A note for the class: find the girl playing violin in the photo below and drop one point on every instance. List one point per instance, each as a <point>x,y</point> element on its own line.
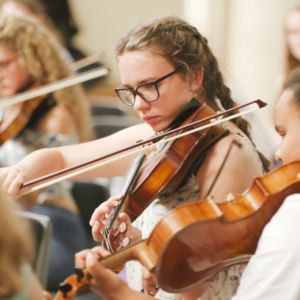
<point>30,57</point>
<point>163,63</point>
<point>273,271</point>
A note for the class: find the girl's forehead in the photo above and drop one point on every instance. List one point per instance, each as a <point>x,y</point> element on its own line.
<point>143,63</point>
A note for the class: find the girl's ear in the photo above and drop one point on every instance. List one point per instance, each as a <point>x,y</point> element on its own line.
<point>197,80</point>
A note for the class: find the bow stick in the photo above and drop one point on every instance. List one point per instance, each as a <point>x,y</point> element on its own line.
<point>51,87</point>
<point>86,61</point>
<point>92,164</point>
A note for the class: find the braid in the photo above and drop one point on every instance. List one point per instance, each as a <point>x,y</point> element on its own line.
<point>215,88</point>
<point>183,45</point>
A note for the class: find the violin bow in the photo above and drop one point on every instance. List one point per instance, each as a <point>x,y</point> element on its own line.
<point>45,181</point>
<point>86,61</point>
<point>51,87</point>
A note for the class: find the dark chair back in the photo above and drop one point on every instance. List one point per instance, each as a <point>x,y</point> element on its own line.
<point>88,197</point>
<point>42,233</point>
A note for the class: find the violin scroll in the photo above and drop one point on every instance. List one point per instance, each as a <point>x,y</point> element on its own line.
<point>76,284</point>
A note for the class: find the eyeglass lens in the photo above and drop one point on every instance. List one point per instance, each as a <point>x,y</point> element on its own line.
<point>147,91</point>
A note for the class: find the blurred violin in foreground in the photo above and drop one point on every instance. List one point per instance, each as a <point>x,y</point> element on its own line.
<point>194,242</point>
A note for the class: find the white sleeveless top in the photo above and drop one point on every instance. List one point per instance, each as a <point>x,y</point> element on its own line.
<point>227,281</point>
<point>225,285</point>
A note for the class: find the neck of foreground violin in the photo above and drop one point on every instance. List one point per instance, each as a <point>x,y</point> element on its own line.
<point>78,283</point>
<point>138,251</point>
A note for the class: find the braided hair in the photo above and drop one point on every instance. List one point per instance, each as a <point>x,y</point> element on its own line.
<point>183,46</point>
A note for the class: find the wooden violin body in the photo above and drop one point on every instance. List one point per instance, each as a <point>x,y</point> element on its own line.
<point>17,116</point>
<point>194,242</point>
<point>166,168</point>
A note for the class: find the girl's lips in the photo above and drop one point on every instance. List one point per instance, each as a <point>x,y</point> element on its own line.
<point>150,119</point>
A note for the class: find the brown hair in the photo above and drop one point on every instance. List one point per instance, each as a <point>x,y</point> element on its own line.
<point>39,54</point>
<point>15,248</point>
<point>183,46</point>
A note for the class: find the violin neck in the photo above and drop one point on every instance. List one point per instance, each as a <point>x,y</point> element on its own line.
<point>129,183</point>
<point>138,251</point>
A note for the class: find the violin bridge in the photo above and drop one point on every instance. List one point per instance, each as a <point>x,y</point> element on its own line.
<point>229,197</point>
<point>298,176</point>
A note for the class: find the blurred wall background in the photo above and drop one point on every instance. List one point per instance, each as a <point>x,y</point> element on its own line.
<point>102,23</point>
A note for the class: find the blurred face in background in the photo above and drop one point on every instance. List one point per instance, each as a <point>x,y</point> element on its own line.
<point>292,28</point>
<point>13,77</point>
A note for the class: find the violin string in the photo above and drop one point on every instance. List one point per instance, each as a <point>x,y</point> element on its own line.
<point>97,165</point>
<point>112,216</point>
<point>113,209</point>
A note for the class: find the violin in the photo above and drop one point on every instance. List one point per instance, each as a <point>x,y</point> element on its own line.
<point>194,242</point>
<point>18,115</point>
<point>165,169</point>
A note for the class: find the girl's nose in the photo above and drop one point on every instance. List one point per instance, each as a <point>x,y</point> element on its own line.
<point>278,155</point>
<point>140,103</point>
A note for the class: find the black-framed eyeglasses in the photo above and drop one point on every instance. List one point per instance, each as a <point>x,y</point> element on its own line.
<point>147,91</point>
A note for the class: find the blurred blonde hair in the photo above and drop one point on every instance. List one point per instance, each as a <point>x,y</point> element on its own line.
<point>37,8</point>
<point>15,248</point>
<point>39,53</point>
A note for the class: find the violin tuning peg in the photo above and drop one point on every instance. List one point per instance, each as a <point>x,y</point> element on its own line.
<point>79,274</point>
<point>65,288</point>
<point>125,243</point>
<point>122,229</point>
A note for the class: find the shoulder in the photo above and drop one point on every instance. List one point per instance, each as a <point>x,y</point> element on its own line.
<point>240,147</point>
<point>242,164</point>
<point>58,120</point>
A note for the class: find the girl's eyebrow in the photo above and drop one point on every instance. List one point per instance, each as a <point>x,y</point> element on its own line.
<point>140,82</point>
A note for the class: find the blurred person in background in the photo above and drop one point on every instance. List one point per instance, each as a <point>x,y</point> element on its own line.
<point>37,10</point>
<point>57,17</point>
<point>30,57</point>
<point>292,39</point>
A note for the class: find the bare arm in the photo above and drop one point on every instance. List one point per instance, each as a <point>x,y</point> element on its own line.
<point>46,161</point>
